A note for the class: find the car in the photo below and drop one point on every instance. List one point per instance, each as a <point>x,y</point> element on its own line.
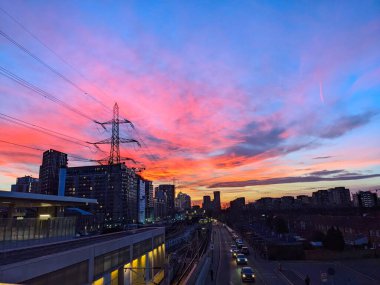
<point>233,247</point>
<point>247,274</point>
<point>240,245</point>
<point>241,259</point>
<point>244,250</point>
<point>234,253</point>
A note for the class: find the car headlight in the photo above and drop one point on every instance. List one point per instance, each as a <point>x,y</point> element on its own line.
<point>245,259</point>
<point>244,275</point>
<point>253,275</point>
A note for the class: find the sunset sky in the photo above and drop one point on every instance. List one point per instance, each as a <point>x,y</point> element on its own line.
<point>252,98</point>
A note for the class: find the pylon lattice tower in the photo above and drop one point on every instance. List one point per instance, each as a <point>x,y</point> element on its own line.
<point>115,140</point>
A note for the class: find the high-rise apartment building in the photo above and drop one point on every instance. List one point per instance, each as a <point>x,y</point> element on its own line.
<point>149,197</point>
<point>169,190</point>
<point>115,188</point>
<point>52,163</point>
<point>26,184</point>
<point>216,203</point>
<point>321,198</point>
<point>365,199</point>
<point>141,199</point>
<point>339,196</point>
<point>160,204</point>
<point>206,205</point>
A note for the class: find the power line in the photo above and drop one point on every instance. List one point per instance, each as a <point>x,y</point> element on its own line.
<point>150,156</point>
<point>44,130</point>
<point>76,157</point>
<point>58,56</point>
<point>146,146</point>
<point>20,145</point>
<point>52,69</point>
<point>41,92</point>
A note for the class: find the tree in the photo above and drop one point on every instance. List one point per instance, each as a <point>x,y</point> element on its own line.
<point>318,236</point>
<point>334,239</point>
<point>280,225</point>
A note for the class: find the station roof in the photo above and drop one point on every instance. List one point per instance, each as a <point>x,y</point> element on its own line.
<point>20,199</point>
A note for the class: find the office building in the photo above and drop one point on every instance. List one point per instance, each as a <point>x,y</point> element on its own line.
<point>169,190</point>
<point>26,184</point>
<point>216,201</point>
<point>52,163</point>
<point>115,188</point>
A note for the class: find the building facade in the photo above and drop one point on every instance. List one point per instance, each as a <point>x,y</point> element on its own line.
<point>149,197</point>
<point>169,190</point>
<point>183,202</point>
<point>365,199</point>
<point>238,204</point>
<point>216,202</point>
<point>52,162</point>
<point>206,205</point>
<point>115,188</point>
<point>141,200</point>
<point>339,197</point>
<point>26,184</point>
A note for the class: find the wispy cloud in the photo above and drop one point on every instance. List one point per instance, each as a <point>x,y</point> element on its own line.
<point>323,157</point>
<point>312,177</point>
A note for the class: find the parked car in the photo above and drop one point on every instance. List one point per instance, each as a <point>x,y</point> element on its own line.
<point>247,274</point>
<point>233,247</point>
<point>241,259</point>
<point>244,250</point>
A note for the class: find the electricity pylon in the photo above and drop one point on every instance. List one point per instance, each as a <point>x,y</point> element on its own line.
<point>115,139</point>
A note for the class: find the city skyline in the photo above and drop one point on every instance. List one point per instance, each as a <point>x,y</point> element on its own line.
<point>253,105</point>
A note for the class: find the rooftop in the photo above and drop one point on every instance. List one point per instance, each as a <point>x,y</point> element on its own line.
<point>20,199</point>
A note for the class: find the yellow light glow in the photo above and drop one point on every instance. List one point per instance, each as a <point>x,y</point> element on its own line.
<point>114,275</point>
<point>100,281</point>
<point>44,216</point>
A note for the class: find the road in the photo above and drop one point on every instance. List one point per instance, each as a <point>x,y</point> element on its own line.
<point>225,270</point>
